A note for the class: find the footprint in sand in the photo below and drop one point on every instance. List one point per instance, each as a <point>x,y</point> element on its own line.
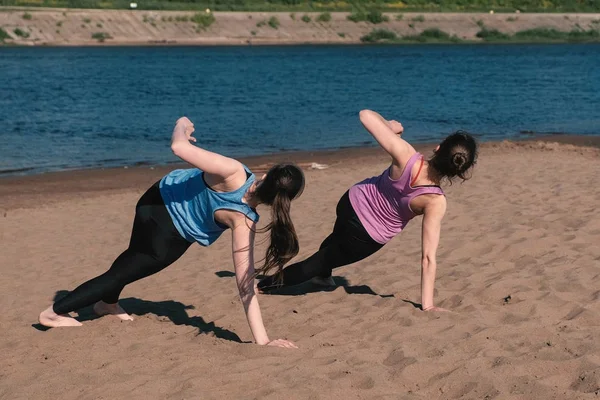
<point>511,319</point>
<point>583,316</point>
<point>397,360</point>
<point>338,375</point>
<point>362,382</point>
<point>357,381</point>
<point>462,391</point>
<point>587,382</point>
<point>453,302</point>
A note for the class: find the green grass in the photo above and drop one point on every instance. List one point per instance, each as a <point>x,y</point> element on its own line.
<point>21,33</point>
<point>432,35</point>
<point>357,17</point>
<point>273,22</point>
<point>87,20</point>
<point>203,19</point>
<point>98,25</point>
<point>549,34</point>
<point>341,34</point>
<point>27,16</point>
<point>399,17</point>
<point>492,35</point>
<point>591,35</point>
<point>373,16</point>
<point>418,18</point>
<point>3,35</point>
<point>293,16</point>
<point>59,24</point>
<point>101,36</point>
<point>324,17</point>
<point>182,18</point>
<point>306,18</point>
<point>540,35</point>
<point>379,35</point>
<point>511,19</point>
<point>260,24</point>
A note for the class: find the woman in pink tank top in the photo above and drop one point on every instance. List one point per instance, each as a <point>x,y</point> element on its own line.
<point>375,210</point>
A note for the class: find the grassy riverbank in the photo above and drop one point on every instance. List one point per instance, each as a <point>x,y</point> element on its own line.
<point>67,27</point>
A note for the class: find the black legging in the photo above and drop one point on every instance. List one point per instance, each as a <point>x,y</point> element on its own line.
<point>155,244</point>
<point>348,243</point>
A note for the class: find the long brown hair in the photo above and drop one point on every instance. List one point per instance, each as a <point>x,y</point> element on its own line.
<point>283,183</point>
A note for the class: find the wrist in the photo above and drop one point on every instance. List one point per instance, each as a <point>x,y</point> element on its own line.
<point>263,341</point>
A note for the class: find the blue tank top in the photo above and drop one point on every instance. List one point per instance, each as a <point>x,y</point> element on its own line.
<point>192,204</point>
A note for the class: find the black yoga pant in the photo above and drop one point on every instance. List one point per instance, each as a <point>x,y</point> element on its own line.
<point>155,244</point>
<point>348,243</point>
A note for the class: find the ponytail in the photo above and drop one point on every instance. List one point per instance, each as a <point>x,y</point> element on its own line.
<point>284,240</point>
<point>282,184</point>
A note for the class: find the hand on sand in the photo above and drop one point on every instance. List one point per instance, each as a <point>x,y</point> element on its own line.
<point>188,127</point>
<point>282,343</point>
<point>396,127</point>
<point>439,309</point>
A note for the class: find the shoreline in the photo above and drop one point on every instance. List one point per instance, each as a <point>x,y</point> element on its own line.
<point>21,191</point>
<point>93,27</point>
<point>269,42</point>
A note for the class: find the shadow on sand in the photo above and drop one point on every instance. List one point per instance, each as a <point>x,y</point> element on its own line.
<point>308,287</point>
<point>175,311</point>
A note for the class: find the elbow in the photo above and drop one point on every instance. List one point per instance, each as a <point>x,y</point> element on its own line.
<point>428,262</point>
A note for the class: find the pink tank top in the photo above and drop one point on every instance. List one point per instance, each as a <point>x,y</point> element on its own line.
<point>383,204</point>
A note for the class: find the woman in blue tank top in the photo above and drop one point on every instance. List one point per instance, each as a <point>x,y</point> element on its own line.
<point>197,205</point>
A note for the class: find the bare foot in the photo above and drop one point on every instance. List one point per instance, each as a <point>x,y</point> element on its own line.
<point>101,308</point>
<point>320,281</point>
<point>53,320</point>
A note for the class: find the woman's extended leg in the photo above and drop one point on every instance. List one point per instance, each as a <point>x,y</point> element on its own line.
<point>154,245</point>
<point>348,243</point>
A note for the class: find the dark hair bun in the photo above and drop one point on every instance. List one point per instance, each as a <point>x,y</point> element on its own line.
<point>459,159</point>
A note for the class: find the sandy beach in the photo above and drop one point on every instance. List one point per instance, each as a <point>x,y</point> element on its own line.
<point>518,265</point>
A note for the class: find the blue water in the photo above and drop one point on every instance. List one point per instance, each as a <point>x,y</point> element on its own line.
<point>65,108</point>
